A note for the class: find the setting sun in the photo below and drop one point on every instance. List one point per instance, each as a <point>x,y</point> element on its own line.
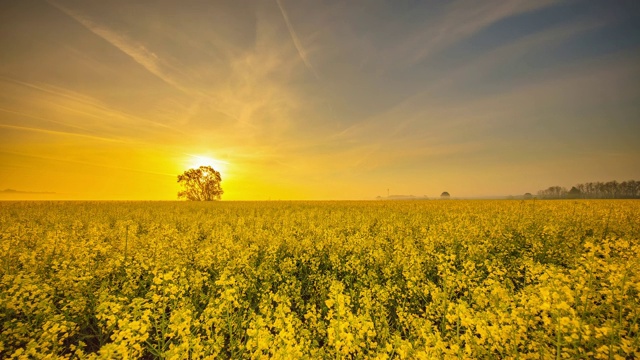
<point>195,161</point>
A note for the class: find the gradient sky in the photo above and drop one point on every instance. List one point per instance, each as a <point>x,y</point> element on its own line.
<point>317,99</point>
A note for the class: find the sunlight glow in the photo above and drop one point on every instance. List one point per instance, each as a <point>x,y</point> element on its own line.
<point>195,161</point>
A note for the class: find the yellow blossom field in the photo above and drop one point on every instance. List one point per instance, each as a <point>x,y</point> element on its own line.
<point>486,279</point>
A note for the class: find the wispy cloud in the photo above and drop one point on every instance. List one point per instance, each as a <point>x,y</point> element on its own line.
<point>42,119</point>
<point>50,100</point>
<point>437,121</point>
<point>54,132</point>
<point>464,18</point>
<point>86,163</point>
<point>137,51</point>
<point>437,99</point>
<point>296,41</point>
<point>458,20</point>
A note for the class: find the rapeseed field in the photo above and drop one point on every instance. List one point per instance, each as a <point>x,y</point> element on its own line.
<point>289,280</point>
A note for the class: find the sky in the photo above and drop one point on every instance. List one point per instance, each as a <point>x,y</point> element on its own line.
<point>316,99</point>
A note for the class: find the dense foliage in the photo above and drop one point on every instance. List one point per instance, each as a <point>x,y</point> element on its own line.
<point>387,279</point>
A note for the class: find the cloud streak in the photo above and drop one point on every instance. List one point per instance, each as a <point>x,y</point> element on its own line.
<point>433,100</point>
<point>296,41</point>
<point>54,98</point>
<point>54,132</point>
<point>464,18</point>
<point>25,115</point>
<point>138,52</point>
<point>87,163</point>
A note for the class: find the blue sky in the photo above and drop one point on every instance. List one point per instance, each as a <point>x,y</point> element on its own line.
<point>318,99</point>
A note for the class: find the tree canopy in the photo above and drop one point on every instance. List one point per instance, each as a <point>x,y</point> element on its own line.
<point>595,190</point>
<point>201,184</point>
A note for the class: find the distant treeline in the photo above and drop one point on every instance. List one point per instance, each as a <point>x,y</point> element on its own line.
<point>594,190</point>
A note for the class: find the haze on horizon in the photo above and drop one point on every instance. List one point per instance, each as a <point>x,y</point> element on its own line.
<point>317,99</point>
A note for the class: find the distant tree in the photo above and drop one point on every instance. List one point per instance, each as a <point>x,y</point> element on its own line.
<point>629,189</point>
<point>553,192</point>
<point>445,195</point>
<point>527,196</point>
<point>574,193</point>
<point>201,184</point>
<point>632,189</point>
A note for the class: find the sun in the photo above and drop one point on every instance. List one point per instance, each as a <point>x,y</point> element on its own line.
<point>195,161</point>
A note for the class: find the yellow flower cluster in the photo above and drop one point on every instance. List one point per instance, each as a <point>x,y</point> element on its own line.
<point>305,280</point>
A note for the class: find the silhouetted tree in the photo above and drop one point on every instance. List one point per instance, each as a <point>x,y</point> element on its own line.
<point>630,189</point>
<point>553,192</point>
<point>201,184</point>
<point>595,190</point>
<point>574,193</point>
<point>527,196</point>
<point>445,195</point>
